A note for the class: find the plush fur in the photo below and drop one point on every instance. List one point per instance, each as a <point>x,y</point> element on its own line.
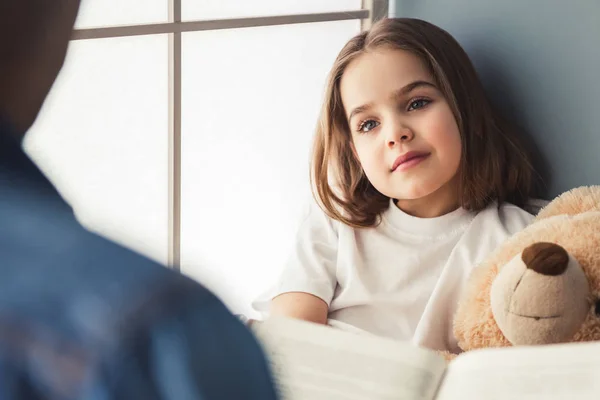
<point>572,221</point>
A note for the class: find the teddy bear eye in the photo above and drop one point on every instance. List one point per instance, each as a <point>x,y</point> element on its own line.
<point>597,308</point>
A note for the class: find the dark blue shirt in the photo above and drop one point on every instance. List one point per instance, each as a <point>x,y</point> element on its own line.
<point>83,318</point>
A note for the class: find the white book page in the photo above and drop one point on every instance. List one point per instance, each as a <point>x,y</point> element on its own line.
<point>565,371</point>
<point>316,362</point>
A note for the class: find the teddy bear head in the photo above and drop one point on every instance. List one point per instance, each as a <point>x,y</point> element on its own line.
<point>542,285</point>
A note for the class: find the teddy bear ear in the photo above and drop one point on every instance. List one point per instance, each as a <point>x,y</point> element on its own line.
<point>573,202</point>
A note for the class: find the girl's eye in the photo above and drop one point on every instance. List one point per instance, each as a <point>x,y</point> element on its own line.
<point>367,125</point>
<point>419,103</point>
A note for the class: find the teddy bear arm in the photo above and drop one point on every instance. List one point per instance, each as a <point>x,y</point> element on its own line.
<point>573,202</point>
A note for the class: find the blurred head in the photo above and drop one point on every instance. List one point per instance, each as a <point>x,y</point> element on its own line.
<point>34,36</point>
<point>405,117</point>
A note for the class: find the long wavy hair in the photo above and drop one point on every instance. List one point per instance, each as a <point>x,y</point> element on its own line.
<point>494,164</point>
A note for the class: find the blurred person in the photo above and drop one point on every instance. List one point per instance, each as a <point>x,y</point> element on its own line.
<point>81,317</point>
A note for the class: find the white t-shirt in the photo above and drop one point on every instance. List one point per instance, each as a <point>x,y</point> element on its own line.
<point>401,279</point>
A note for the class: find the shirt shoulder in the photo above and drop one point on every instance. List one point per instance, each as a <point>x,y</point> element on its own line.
<point>505,216</point>
<point>514,218</point>
<point>492,226</point>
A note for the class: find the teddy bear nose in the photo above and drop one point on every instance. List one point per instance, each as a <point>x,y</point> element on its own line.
<point>546,258</point>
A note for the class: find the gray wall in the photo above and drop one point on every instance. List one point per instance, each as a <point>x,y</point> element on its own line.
<point>540,63</point>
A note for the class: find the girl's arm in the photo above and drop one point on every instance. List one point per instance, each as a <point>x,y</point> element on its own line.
<point>299,305</point>
<point>308,281</point>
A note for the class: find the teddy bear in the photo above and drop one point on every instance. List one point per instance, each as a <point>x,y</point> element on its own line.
<point>542,285</point>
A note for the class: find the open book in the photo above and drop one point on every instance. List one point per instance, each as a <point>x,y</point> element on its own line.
<point>315,362</point>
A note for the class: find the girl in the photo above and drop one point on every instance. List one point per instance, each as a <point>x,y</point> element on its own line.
<point>416,180</point>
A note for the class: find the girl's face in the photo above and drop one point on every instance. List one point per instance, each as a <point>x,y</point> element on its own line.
<point>403,130</point>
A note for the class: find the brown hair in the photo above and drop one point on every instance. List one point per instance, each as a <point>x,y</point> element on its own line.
<point>494,165</point>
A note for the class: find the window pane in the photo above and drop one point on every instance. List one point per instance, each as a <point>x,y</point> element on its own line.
<point>251,98</point>
<point>215,9</point>
<point>102,138</point>
<point>98,13</point>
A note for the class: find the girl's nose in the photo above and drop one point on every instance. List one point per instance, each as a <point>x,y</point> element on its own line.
<point>400,135</point>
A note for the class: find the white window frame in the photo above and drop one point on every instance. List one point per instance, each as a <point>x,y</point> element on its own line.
<point>371,11</point>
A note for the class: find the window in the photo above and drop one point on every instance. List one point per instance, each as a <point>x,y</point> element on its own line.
<point>194,9</point>
<point>103,138</point>
<point>102,13</point>
<point>181,129</point>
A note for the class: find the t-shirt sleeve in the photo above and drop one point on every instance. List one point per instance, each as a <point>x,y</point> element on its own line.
<point>311,266</point>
